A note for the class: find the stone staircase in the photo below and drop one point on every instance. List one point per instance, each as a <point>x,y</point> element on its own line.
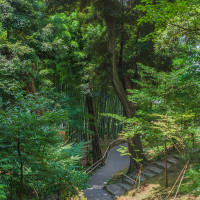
<point>120,188</point>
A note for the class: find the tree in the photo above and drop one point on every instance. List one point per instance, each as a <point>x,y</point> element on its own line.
<point>33,157</point>
<point>180,17</point>
<point>31,149</point>
<point>109,12</point>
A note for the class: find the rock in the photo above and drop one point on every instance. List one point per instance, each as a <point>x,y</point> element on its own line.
<point>125,186</point>
<point>115,190</point>
<point>177,156</point>
<point>154,169</point>
<point>161,164</point>
<point>129,181</point>
<point>135,177</point>
<point>148,173</point>
<point>172,160</point>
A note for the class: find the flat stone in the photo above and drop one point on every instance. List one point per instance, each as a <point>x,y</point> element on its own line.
<point>148,173</point>
<point>177,156</point>
<point>97,194</point>
<point>172,160</point>
<point>161,164</point>
<point>135,177</point>
<point>115,190</point>
<point>125,186</point>
<point>129,181</point>
<point>96,187</point>
<point>154,169</point>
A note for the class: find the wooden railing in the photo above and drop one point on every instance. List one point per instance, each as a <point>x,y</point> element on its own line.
<point>103,159</point>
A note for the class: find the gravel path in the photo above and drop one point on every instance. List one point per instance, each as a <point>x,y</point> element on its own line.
<point>114,163</point>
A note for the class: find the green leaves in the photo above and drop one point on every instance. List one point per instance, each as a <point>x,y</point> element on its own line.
<point>192,181</point>
<point>2,192</point>
<point>29,134</point>
<point>179,18</point>
<point>124,152</point>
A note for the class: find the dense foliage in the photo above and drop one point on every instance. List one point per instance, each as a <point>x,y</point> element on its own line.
<point>34,158</point>
<point>67,62</point>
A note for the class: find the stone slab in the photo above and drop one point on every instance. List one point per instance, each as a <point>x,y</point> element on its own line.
<point>97,194</point>
<point>154,169</point>
<point>172,160</point>
<point>148,173</point>
<point>115,190</point>
<point>125,186</point>
<point>161,164</point>
<point>177,156</point>
<point>135,176</point>
<point>129,181</point>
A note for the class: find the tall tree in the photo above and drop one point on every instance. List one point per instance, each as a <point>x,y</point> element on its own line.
<point>109,12</point>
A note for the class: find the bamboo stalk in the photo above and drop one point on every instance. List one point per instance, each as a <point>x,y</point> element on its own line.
<point>166,178</point>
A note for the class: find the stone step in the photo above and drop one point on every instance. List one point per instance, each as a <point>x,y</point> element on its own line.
<point>125,186</point>
<point>141,177</point>
<point>177,156</point>
<point>115,190</point>
<point>154,169</point>
<point>172,160</point>
<point>129,181</point>
<point>161,164</point>
<point>147,173</point>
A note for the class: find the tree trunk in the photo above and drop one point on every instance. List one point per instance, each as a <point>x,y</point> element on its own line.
<point>21,171</point>
<point>30,86</point>
<point>96,150</point>
<point>135,145</point>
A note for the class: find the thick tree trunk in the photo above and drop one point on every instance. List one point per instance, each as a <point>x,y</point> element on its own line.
<point>135,145</point>
<point>96,150</point>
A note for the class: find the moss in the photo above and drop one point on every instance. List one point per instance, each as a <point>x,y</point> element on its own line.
<point>104,144</point>
<point>117,176</point>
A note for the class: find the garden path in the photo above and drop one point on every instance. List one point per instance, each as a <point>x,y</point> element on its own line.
<point>113,164</point>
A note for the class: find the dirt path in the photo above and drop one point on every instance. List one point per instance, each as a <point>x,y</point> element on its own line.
<point>114,163</point>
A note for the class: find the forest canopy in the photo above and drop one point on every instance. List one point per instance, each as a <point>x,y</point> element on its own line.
<point>74,74</point>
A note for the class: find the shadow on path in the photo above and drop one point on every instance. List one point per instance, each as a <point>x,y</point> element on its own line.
<point>114,163</point>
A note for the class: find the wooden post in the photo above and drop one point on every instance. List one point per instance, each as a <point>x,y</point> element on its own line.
<point>140,177</point>
<point>143,176</point>
<point>139,173</point>
<point>166,178</point>
<point>80,196</point>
